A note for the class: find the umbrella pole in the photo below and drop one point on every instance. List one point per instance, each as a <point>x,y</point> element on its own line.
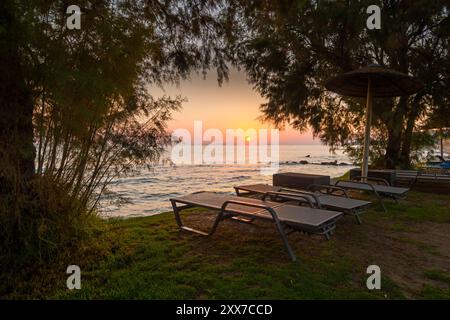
<point>365,165</point>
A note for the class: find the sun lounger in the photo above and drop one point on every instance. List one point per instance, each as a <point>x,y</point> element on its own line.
<point>424,180</point>
<point>380,191</point>
<point>320,200</point>
<point>295,218</point>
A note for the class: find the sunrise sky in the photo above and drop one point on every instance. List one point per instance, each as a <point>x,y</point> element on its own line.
<point>233,105</point>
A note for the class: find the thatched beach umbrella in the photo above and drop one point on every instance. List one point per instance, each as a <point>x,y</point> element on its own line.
<point>373,81</point>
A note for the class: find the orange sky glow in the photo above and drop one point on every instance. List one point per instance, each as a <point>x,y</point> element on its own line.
<point>233,105</point>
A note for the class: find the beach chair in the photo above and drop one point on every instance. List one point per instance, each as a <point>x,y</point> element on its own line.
<point>326,197</point>
<point>381,191</point>
<point>287,218</point>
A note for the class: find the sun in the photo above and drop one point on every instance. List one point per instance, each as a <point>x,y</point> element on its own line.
<point>248,139</point>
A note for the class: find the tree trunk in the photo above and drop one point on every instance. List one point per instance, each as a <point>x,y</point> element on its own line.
<point>17,151</point>
<point>395,132</point>
<point>405,157</point>
<point>392,155</point>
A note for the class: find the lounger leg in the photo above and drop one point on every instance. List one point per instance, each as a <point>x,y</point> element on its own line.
<point>382,205</point>
<point>328,230</point>
<point>176,212</point>
<point>381,201</point>
<point>356,214</point>
<point>216,223</point>
<point>244,220</point>
<point>280,229</point>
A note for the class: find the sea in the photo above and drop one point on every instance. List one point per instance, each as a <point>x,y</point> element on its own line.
<point>148,190</point>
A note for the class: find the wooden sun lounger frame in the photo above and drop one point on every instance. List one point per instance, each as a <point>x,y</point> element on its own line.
<point>287,194</point>
<point>283,229</point>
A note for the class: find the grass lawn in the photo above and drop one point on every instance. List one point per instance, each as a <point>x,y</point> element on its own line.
<point>149,258</point>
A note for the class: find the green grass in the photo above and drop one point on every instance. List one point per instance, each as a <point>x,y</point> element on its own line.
<point>438,275</point>
<point>433,293</point>
<point>161,265</point>
<point>149,258</point>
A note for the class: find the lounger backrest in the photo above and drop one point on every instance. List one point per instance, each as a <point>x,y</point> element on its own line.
<point>287,213</point>
<point>376,187</point>
<point>215,201</point>
<point>258,188</point>
<point>325,200</point>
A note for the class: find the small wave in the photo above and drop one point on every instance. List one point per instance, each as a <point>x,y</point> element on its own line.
<point>160,195</point>
<point>238,178</point>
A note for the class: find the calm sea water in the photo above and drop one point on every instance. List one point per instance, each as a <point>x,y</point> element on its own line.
<point>148,192</point>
